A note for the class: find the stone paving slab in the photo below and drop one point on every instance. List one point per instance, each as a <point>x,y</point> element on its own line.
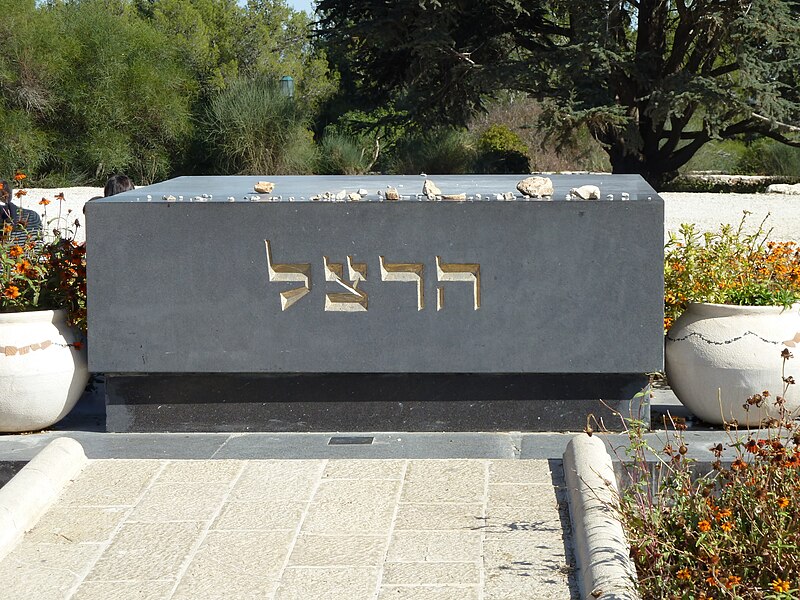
<point>481,529</point>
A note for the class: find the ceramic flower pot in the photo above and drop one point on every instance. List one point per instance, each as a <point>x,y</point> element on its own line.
<point>42,375</point>
<point>718,355</point>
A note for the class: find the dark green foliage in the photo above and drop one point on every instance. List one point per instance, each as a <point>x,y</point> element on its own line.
<point>653,81</point>
<point>767,157</point>
<point>439,151</point>
<point>341,154</point>
<point>93,87</point>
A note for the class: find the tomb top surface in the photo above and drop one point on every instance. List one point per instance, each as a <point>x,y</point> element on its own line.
<point>298,188</point>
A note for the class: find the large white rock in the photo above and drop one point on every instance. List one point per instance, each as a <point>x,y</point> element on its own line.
<point>536,187</point>
<point>783,188</point>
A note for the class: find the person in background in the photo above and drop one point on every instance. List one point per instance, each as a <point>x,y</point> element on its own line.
<point>117,184</point>
<point>19,224</point>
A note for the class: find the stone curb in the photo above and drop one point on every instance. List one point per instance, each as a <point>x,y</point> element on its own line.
<point>605,570</point>
<point>28,495</point>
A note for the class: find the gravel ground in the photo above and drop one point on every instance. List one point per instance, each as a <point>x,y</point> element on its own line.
<point>708,211</point>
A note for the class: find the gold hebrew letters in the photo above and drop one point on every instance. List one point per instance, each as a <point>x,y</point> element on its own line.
<point>412,272</point>
<point>469,272</point>
<point>354,300</point>
<point>289,272</point>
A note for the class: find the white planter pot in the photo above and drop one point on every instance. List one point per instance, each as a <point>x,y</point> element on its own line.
<point>41,375</point>
<point>718,355</point>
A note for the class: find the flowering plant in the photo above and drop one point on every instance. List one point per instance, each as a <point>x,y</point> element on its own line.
<point>42,270</point>
<point>728,267</point>
<point>731,532</point>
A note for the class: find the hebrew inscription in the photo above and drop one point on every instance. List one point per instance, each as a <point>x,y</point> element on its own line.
<point>355,299</point>
<point>289,272</point>
<point>413,272</point>
<point>468,272</point>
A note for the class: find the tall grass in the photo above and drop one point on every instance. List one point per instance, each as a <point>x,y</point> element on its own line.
<point>254,129</point>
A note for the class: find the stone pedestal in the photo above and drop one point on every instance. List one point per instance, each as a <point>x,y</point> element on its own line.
<point>287,314</point>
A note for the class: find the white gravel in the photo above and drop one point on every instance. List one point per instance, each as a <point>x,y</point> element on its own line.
<point>708,211</point>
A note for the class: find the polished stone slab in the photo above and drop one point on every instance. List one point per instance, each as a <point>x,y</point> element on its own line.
<point>375,287</point>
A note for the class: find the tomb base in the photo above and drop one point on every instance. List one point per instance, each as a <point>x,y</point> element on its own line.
<point>372,402</point>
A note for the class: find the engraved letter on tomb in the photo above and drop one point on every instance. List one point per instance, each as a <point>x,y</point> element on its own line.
<point>289,272</point>
<point>412,272</point>
<point>467,272</point>
<point>354,300</point>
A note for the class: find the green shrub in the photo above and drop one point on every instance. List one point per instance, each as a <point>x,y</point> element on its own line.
<point>717,156</point>
<point>769,157</point>
<point>443,151</point>
<point>341,154</point>
<point>502,151</point>
<point>257,130</point>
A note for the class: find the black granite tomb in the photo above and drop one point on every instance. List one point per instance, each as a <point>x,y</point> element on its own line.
<point>213,308</point>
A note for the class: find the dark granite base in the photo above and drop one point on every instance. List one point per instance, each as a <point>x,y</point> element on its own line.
<point>371,402</point>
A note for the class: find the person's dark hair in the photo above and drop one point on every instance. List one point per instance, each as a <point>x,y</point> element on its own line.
<point>8,212</point>
<point>117,184</point>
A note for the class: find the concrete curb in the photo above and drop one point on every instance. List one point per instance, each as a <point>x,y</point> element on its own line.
<point>605,570</point>
<point>29,494</point>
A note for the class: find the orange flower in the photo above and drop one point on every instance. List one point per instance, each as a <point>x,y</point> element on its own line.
<point>779,585</point>
<point>22,267</point>
<point>15,251</point>
<point>20,193</point>
<point>7,228</point>
<point>44,201</point>
<point>11,291</point>
<point>704,525</point>
<point>684,574</point>
<point>733,581</point>
<point>60,196</point>
<point>725,526</point>
<point>724,513</point>
<point>783,502</point>
<point>738,465</point>
<point>19,176</point>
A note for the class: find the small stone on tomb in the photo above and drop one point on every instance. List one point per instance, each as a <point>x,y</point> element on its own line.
<point>625,196</point>
<point>169,198</point>
<point>429,189</point>
<point>508,196</point>
<point>341,195</point>
<point>363,192</point>
<point>454,197</point>
<point>354,196</point>
<point>264,187</point>
<point>392,194</point>
<point>586,192</point>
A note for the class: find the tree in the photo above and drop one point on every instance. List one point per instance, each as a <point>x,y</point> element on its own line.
<point>653,80</point>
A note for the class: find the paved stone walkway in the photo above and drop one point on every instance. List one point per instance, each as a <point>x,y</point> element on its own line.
<point>301,529</point>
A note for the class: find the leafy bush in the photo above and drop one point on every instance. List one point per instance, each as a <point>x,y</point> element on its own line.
<point>502,151</point>
<point>728,267</point>
<point>257,130</point>
<point>733,532</point>
<point>442,151</point>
